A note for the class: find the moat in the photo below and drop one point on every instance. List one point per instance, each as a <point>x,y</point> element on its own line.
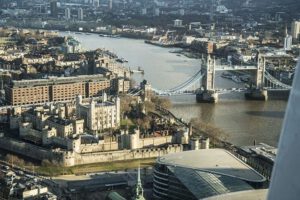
<point>244,121</point>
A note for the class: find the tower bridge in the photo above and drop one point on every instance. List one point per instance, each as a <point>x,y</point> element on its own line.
<point>202,83</point>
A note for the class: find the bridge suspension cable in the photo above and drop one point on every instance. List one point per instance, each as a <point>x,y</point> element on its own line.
<point>276,82</point>
<point>182,88</point>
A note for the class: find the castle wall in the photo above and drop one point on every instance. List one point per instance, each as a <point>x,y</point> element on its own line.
<point>88,148</point>
<point>125,155</point>
<point>71,158</point>
<point>155,141</point>
<point>29,150</point>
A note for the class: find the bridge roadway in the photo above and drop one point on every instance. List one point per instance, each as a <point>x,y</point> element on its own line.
<point>234,67</point>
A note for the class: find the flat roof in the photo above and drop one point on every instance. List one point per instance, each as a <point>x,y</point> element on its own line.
<point>245,195</point>
<point>58,80</point>
<point>217,161</point>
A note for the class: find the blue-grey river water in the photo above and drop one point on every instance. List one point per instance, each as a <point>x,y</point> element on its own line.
<point>244,121</point>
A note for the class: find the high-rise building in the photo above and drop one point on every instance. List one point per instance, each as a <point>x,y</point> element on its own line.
<point>156,12</point>
<point>67,13</point>
<point>181,12</point>
<point>53,8</point>
<point>288,42</point>
<point>80,14</point>
<point>110,4</point>
<point>96,3</point>
<point>295,29</point>
<point>144,11</point>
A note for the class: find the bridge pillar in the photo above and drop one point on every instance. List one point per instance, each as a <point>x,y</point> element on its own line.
<point>207,92</point>
<point>258,93</point>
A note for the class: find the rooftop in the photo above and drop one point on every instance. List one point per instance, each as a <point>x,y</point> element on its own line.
<point>58,80</point>
<point>263,150</point>
<point>245,195</point>
<point>216,161</point>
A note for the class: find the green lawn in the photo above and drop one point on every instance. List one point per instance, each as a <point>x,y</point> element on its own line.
<point>95,167</point>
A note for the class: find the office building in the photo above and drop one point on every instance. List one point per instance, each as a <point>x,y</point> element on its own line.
<point>201,174</point>
<point>144,11</point>
<point>110,4</point>
<point>156,12</point>
<point>181,12</point>
<point>295,29</point>
<point>96,3</point>
<point>80,14</point>
<point>53,8</point>
<point>288,40</point>
<point>67,13</point>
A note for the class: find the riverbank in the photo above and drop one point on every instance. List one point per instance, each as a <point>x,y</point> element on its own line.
<point>128,35</point>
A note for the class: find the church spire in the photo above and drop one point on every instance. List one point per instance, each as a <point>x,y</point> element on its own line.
<point>139,187</point>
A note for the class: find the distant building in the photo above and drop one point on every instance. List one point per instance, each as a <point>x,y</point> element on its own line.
<point>188,39</point>
<point>295,29</point>
<point>53,8</point>
<point>144,11</point>
<point>80,14</point>
<point>288,40</point>
<point>181,12</point>
<point>67,13</point>
<point>203,46</point>
<point>177,23</point>
<point>156,12</point>
<point>110,4</point>
<point>201,174</point>
<point>96,3</point>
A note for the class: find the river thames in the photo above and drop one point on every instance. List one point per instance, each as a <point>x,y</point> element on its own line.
<point>243,121</point>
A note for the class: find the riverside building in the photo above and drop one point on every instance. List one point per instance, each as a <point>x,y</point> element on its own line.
<point>55,89</point>
<point>202,174</point>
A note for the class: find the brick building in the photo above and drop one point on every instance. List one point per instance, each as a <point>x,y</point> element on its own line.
<point>55,89</point>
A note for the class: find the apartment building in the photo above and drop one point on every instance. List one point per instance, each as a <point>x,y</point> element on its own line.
<point>37,91</point>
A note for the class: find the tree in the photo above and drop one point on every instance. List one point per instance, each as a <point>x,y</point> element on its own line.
<point>214,133</point>
<point>143,123</point>
<point>125,103</point>
<point>14,160</point>
<point>162,102</point>
<point>149,106</point>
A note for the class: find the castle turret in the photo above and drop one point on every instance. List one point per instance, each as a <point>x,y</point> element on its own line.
<point>135,139</point>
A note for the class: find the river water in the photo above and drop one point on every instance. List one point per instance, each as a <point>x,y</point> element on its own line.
<point>243,121</point>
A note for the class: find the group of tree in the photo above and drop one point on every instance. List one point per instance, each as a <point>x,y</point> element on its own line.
<point>206,129</point>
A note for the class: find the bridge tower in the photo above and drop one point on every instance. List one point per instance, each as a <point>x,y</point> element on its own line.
<point>207,91</point>
<point>208,81</point>
<point>257,92</point>
<point>260,73</point>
